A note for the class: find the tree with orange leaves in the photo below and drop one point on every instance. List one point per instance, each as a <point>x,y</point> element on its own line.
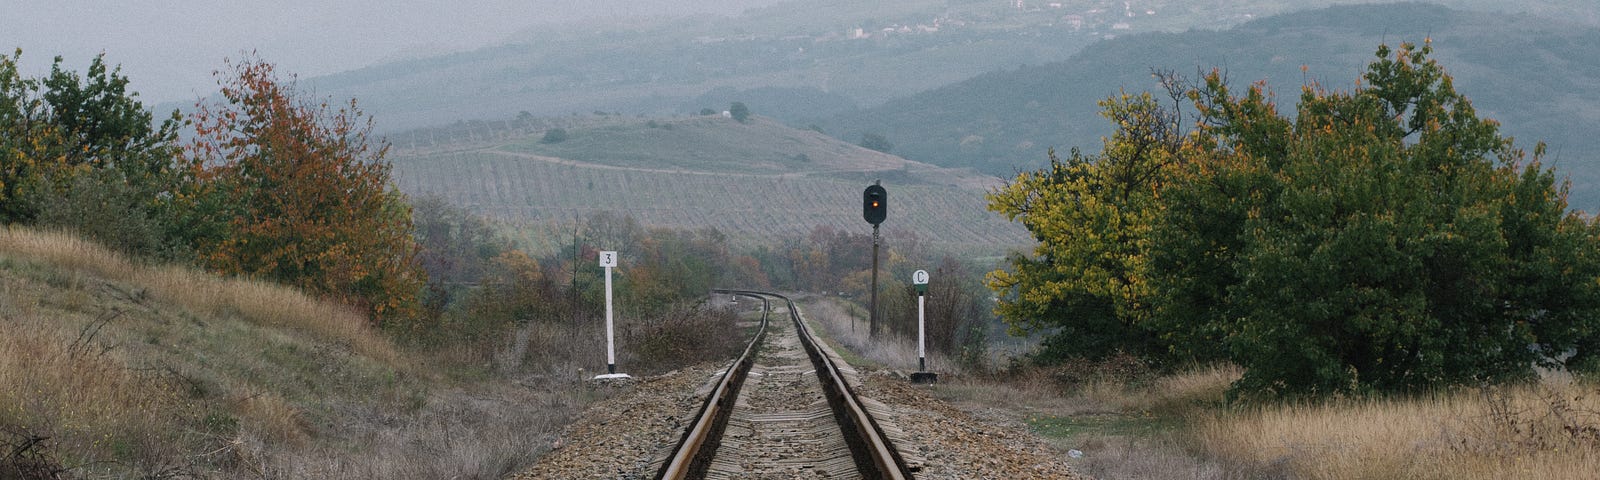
<point>295,190</point>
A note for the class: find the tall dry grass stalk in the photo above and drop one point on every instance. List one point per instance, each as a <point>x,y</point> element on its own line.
<point>1549,430</point>
<point>259,302</point>
<point>85,400</point>
<point>847,327</point>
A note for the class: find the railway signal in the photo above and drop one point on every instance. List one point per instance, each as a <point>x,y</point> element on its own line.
<point>874,208</point>
<point>875,204</point>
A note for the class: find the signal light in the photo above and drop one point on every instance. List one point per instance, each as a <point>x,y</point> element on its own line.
<point>874,204</point>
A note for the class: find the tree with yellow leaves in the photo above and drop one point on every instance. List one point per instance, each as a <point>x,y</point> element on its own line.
<point>1091,215</point>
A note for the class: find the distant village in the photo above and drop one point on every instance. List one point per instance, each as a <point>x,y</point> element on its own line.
<point>1103,18</point>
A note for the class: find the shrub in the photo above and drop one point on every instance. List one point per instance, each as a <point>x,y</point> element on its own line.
<point>554,135</point>
<point>689,334</point>
<point>100,206</point>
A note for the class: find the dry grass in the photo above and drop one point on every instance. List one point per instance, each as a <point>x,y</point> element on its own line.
<point>1184,392</point>
<point>130,370</point>
<point>1545,430</point>
<point>844,325</point>
<point>262,303</point>
<point>487,432</point>
<point>84,400</point>
<point>1132,424</point>
<point>1179,426</point>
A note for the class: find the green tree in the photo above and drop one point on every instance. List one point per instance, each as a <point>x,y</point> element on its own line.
<point>75,148</point>
<point>1382,239</point>
<point>68,125</point>
<point>739,111</point>
<point>456,249</point>
<point>30,146</point>
<point>554,135</point>
<point>876,142</point>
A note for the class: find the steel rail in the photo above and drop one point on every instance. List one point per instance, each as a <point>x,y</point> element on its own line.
<point>870,440</point>
<point>874,455</point>
<point>693,453</point>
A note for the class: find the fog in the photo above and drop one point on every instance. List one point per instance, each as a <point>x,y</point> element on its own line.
<point>168,48</point>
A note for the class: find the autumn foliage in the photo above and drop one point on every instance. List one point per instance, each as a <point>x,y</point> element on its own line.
<point>297,191</point>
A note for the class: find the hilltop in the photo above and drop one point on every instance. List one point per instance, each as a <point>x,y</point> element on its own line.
<point>757,182</point>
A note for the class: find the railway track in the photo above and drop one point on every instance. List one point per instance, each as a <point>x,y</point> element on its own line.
<point>783,409</point>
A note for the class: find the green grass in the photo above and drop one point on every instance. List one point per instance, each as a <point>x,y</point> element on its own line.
<point>710,143</point>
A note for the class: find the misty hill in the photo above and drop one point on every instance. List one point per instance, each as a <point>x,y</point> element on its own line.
<point>757,182</point>
<point>860,51</point>
<point>1539,77</point>
<point>797,61</point>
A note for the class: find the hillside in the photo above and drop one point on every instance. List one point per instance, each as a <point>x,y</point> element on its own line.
<point>111,368</point>
<point>757,182</point>
<point>1535,75</point>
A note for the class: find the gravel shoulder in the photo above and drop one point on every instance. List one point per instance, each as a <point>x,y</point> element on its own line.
<point>627,435</point>
<point>958,445</point>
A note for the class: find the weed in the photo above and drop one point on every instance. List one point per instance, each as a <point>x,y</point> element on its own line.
<point>1531,420</point>
<point>25,454</point>
<point>690,334</point>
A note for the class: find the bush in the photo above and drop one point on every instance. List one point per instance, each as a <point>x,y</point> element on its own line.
<point>102,207</point>
<point>554,135</point>
<point>876,141</point>
<point>689,334</point>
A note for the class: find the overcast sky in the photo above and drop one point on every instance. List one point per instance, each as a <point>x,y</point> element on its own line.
<point>168,48</point>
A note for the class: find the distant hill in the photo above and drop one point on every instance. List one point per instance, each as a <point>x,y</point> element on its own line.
<point>1539,77</point>
<point>839,53</point>
<point>759,182</point>
<point>839,48</point>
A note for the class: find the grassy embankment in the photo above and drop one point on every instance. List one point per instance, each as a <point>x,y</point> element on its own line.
<point>114,368</point>
<point>1131,424</point>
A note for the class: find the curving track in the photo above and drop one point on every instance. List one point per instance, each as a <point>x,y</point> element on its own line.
<point>783,410</point>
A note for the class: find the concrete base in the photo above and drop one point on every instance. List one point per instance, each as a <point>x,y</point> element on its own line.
<point>609,376</point>
<point>924,378</point>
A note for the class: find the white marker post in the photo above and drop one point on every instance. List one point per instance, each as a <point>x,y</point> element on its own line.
<point>919,279</point>
<point>608,260</point>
